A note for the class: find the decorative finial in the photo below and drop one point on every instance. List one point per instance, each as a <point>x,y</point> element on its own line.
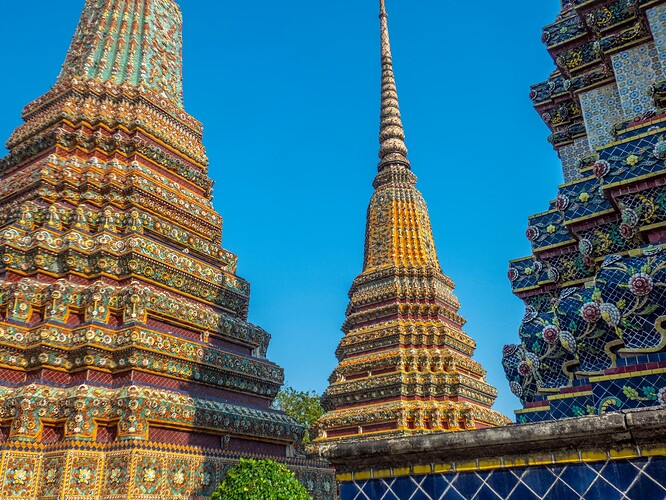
<point>391,135</point>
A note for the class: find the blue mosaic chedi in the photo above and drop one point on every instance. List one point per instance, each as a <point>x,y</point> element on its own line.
<point>593,337</point>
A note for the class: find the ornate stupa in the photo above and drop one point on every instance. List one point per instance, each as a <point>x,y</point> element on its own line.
<point>406,366</point>
<point>127,366</point>
<point>593,339</point>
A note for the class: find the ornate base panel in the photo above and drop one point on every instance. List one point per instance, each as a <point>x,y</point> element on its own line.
<point>136,471</point>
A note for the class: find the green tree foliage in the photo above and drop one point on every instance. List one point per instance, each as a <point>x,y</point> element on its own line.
<point>304,407</point>
<point>260,480</point>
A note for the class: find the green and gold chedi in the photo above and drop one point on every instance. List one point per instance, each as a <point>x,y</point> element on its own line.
<point>127,365</point>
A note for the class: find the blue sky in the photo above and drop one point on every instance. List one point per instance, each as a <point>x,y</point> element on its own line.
<point>289,96</point>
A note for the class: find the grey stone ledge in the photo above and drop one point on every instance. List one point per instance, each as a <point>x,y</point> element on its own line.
<point>623,429</point>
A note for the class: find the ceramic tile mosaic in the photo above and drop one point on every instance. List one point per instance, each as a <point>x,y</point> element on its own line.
<point>571,407</point>
<point>623,167</point>
<point>570,154</point>
<point>657,18</point>
<point>630,392</point>
<point>601,110</point>
<point>636,479</point>
<point>604,287</point>
<point>635,70</point>
<point>532,416</point>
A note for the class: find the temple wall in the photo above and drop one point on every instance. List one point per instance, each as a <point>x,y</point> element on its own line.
<point>605,456</point>
<point>580,475</point>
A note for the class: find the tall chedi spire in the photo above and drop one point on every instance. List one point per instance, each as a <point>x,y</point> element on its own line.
<point>123,323</point>
<point>405,364</point>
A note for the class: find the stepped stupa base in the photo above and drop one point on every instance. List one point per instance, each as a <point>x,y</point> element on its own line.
<point>132,469</point>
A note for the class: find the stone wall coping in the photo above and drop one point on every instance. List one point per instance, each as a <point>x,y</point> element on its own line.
<point>622,429</point>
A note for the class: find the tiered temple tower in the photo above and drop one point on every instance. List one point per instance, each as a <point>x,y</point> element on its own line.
<point>127,366</point>
<point>593,338</point>
<point>406,366</point>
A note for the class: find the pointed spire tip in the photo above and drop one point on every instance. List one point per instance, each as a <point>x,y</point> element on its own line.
<point>391,135</point>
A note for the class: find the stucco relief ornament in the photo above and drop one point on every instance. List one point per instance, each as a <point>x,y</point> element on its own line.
<point>20,477</point>
<point>562,202</point>
<point>538,266</point>
<point>553,274</point>
<point>149,476</point>
<point>610,314</point>
<point>532,360</point>
<point>513,274</point>
<point>651,250</point>
<point>530,315</point>
<point>509,349</point>
<point>601,169</point>
<point>610,260</point>
<point>179,478</point>
<point>641,284</point>
<point>551,334</point>
<point>568,341</point>
<point>51,476</point>
<point>116,474</point>
<point>633,160</point>
<point>630,217</point>
<point>661,396</point>
<point>585,246</point>
<point>524,369</point>
<point>84,476</point>
<point>532,233</point>
<point>591,312</point>
<point>659,150</point>
<point>550,87</point>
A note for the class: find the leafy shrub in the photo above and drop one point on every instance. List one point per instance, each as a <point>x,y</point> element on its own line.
<point>260,480</point>
<point>304,407</point>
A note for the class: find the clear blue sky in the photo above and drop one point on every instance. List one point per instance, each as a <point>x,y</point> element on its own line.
<point>289,96</point>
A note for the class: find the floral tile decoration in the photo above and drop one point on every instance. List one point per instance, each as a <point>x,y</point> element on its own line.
<point>593,339</point>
